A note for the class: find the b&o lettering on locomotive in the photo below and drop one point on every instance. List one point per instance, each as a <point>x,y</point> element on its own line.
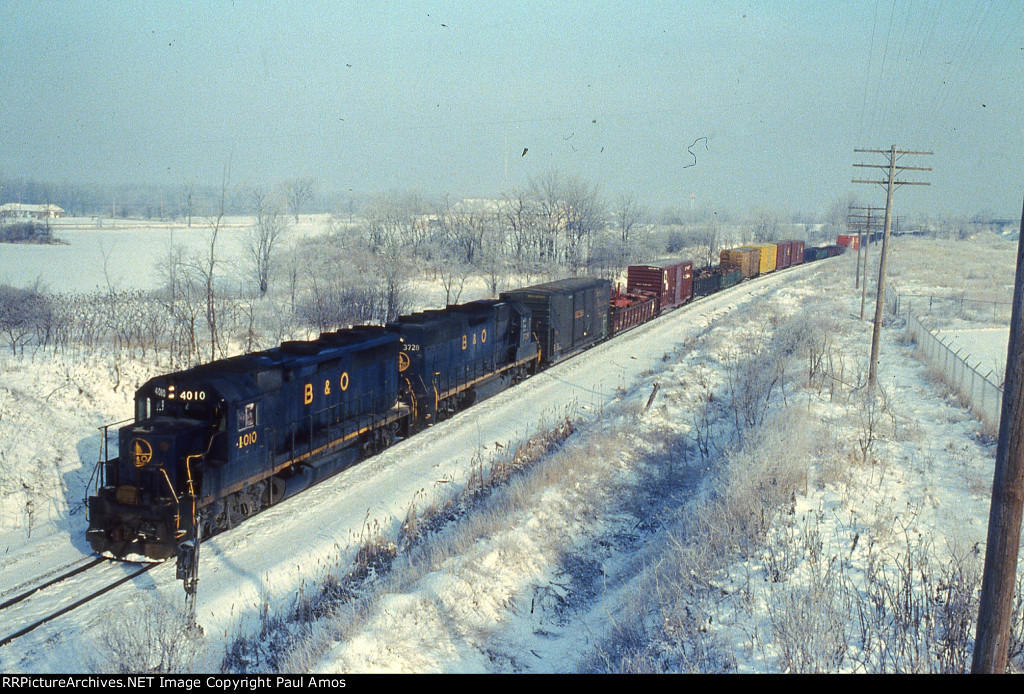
<point>141,452</point>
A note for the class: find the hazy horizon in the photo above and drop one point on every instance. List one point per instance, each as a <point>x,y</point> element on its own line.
<point>743,105</point>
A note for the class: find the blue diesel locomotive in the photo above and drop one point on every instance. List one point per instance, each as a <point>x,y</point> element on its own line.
<point>212,445</point>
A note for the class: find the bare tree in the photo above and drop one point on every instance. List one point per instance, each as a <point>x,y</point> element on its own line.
<point>405,220</point>
<point>188,195</point>
<point>299,192</point>
<point>766,227</point>
<point>584,217</point>
<point>518,214</point>
<point>452,271</point>
<point>208,269</point>
<point>628,216</point>
<point>708,243</point>
<point>21,310</point>
<point>550,215</point>
<point>264,237</point>
<point>464,229</point>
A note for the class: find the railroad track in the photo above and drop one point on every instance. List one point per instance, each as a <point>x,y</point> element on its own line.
<point>57,596</point>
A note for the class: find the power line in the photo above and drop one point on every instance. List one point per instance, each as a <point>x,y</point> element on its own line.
<point>890,182</point>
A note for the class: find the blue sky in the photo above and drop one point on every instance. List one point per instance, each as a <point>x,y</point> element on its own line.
<point>444,98</point>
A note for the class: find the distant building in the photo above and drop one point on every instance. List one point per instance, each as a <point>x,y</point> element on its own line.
<point>17,210</point>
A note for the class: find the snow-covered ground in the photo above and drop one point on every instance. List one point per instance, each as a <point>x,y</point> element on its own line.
<point>566,567</point>
<point>124,254</point>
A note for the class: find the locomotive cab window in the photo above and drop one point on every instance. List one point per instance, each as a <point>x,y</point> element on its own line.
<point>247,416</point>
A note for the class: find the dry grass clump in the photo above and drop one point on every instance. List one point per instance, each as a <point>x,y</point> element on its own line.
<point>157,638</point>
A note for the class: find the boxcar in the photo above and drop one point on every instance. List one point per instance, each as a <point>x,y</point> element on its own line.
<point>783,255</point>
<point>769,252</point>
<point>796,254</point>
<point>567,315</point>
<point>671,282</point>
<point>746,259</point>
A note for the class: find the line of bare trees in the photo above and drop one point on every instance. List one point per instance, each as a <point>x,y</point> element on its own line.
<point>360,272</point>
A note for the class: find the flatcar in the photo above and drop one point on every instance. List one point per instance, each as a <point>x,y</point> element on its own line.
<point>631,308</point>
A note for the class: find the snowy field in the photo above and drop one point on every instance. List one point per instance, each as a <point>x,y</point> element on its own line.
<point>124,254</point>
<point>587,559</point>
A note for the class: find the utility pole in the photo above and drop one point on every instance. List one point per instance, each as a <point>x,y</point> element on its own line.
<point>865,241</point>
<point>865,227</point>
<point>890,183</point>
<point>992,638</point>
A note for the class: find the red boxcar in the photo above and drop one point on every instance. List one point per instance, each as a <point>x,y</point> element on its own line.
<point>851,242</point>
<point>671,281</point>
<point>783,254</point>
<point>796,252</point>
<point>797,256</point>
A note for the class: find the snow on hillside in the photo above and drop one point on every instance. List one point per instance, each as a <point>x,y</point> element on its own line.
<point>614,551</point>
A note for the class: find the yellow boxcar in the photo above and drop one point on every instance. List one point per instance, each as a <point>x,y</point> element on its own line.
<point>769,251</point>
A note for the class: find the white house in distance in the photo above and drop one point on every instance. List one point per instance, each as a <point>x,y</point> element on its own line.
<point>17,210</point>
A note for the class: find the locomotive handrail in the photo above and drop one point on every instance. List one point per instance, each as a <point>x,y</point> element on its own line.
<point>104,456</point>
<point>177,503</point>
<point>104,448</point>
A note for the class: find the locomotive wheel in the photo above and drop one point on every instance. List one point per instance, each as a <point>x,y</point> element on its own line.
<point>273,492</point>
<point>390,433</point>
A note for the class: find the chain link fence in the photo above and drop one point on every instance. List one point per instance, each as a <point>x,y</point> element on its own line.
<point>983,396</point>
<point>960,307</point>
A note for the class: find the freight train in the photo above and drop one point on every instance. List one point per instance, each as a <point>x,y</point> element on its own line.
<point>213,445</point>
